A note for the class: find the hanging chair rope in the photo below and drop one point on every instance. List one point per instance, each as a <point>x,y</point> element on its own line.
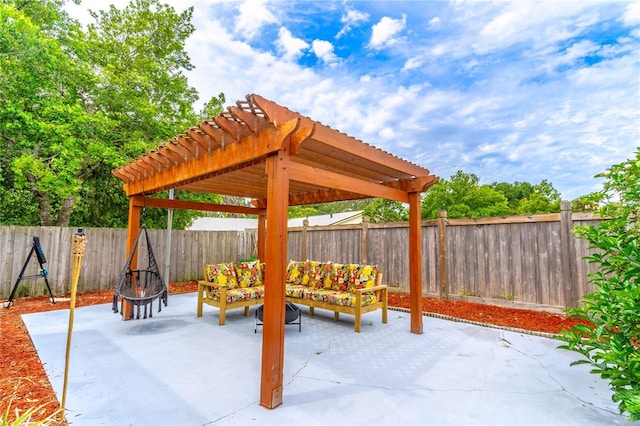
<point>140,287</point>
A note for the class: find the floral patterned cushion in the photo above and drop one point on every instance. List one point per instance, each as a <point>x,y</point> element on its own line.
<point>295,290</point>
<point>334,277</point>
<point>240,293</point>
<point>249,274</point>
<point>361,276</point>
<point>222,274</point>
<point>339,297</point>
<point>296,272</point>
<point>315,273</point>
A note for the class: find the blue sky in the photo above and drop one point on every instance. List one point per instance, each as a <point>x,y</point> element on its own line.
<point>510,91</point>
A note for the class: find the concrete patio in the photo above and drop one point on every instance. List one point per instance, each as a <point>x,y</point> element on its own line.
<point>176,369</point>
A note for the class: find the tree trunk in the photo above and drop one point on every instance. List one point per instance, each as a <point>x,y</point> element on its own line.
<point>44,206</point>
<point>65,211</point>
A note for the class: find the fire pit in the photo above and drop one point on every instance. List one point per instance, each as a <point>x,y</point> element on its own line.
<point>292,313</point>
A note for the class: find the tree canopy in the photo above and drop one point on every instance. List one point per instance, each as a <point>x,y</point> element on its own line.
<point>76,103</point>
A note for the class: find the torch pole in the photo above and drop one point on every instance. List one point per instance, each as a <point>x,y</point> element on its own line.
<point>77,254</point>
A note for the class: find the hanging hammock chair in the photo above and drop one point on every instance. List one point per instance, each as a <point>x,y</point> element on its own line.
<point>140,287</point>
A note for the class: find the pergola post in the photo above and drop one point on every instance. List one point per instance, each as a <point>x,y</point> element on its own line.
<point>262,236</point>
<point>415,262</point>
<point>274,294</point>
<point>132,233</point>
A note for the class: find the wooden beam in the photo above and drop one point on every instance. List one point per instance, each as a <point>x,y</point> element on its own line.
<point>415,263</point>
<point>303,173</point>
<point>164,203</point>
<point>155,164</point>
<point>205,141</point>
<point>303,133</point>
<point>234,128</point>
<point>274,295</point>
<point>254,122</point>
<point>187,143</point>
<point>245,151</point>
<point>341,141</point>
<point>216,134</point>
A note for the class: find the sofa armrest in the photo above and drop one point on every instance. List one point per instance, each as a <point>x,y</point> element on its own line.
<point>371,289</point>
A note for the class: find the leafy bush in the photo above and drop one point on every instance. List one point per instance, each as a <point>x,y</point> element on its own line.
<point>612,345</point>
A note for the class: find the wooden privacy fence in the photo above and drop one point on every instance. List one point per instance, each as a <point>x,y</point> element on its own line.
<point>105,255</point>
<point>521,260</point>
<point>530,260</point>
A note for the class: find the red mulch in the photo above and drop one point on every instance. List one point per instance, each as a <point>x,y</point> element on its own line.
<point>24,383</point>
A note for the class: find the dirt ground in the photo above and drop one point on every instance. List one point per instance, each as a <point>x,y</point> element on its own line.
<point>24,383</point>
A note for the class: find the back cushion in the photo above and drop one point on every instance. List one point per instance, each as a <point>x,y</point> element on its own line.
<point>315,272</point>
<point>222,274</point>
<point>296,272</point>
<point>361,276</point>
<point>249,274</point>
<point>334,277</point>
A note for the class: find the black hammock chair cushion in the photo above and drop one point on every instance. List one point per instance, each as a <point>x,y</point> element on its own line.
<point>140,287</point>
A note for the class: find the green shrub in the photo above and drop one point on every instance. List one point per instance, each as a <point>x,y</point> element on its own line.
<point>612,345</point>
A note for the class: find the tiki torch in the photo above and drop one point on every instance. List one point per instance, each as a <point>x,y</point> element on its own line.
<point>77,254</point>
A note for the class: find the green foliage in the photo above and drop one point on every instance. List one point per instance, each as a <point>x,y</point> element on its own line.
<point>24,418</point>
<point>544,198</point>
<point>612,346</point>
<point>382,210</point>
<point>463,196</point>
<point>76,104</point>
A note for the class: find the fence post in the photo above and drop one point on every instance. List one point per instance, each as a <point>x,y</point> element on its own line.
<point>566,244</point>
<point>442,253</point>
<point>364,248</point>
<point>305,225</point>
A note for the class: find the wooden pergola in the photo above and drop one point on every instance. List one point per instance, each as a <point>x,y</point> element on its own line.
<point>278,158</point>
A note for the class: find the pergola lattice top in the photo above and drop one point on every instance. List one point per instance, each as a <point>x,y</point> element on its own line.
<point>226,155</point>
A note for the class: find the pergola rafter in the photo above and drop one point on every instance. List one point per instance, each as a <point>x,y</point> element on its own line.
<point>263,151</point>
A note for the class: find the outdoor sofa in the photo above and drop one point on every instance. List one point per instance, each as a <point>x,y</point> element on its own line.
<point>342,288</point>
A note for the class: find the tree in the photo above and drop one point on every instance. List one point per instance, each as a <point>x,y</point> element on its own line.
<point>75,104</point>
<point>383,210</point>
<point>612,346</point>
<point>514,192</point>
<point>543,199</point>
<point>463,196</point>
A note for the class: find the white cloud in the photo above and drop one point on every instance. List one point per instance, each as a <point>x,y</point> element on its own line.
<point>291,46</point>
<point>351,19</point>
<point>384,31</point>
<point>412,63</point>
<point>632,14</point>
<point>324,51</point>
<point>253,15</point>
<point>434,22</point>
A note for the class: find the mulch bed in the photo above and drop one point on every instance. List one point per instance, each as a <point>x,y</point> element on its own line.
<point>24,383</point>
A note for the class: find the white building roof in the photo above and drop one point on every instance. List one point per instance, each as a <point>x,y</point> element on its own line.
<point>240,224</point>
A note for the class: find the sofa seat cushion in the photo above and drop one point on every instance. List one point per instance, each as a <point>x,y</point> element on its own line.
<point>338,297</point>
<point>239,294</point>
<point>295,290</point>
<point>222,274</point>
